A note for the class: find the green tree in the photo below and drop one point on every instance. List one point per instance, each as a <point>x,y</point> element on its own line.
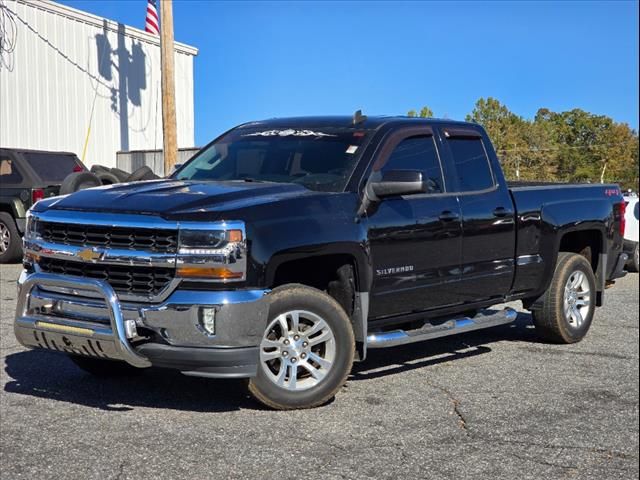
<point>506,130</point>
<point>564,146</point>
<point>425,112</point>
<point>571,146</point>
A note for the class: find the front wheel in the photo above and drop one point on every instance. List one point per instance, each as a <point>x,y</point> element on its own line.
<point>10,241</point>
<point>568,305</point>
<point>306,351</point>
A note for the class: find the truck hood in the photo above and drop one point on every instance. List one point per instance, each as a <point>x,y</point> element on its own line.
<point>167,198</point>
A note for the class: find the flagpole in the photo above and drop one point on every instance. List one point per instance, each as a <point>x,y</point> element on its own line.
<point>169,133</point>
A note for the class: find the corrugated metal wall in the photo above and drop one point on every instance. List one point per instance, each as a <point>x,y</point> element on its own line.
<point>130,161</point>
<point>64,60</point>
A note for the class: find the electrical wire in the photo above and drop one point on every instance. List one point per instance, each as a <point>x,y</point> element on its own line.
<point>8,36</point>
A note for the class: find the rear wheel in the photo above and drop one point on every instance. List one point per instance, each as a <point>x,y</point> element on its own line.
<point>10,240</point>
<point>306,352</point>
<point>568,305</point>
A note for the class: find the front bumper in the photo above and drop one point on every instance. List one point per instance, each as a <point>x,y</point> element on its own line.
<point>84,316</point>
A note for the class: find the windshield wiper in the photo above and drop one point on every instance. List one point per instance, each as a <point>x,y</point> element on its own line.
<point>251,180</point>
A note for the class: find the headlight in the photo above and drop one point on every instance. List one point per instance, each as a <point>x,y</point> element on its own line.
<point>217,253</point>
<point>31,227</point>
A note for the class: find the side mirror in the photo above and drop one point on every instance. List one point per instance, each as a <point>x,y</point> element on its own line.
<point>176,167</point>
<point>391,183</point>
<point>396,182</point>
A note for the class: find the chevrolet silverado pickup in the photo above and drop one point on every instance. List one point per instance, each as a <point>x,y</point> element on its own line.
<point>287,248</point>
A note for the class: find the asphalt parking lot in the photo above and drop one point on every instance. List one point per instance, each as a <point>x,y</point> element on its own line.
<point>494,404</point>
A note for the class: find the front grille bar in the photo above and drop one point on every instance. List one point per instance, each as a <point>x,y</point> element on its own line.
<point>153,240</point>
<point>39,323</point>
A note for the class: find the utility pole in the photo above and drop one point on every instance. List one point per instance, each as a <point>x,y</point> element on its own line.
<point>169,133</point>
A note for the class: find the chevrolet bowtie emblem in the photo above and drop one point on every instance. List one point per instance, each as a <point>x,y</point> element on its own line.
<point>88,255</point>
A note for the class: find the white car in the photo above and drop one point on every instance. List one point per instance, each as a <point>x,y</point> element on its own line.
<point>631,231</point>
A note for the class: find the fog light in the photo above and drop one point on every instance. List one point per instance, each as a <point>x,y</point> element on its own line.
<point>130,328</point>
<point>208,320</point>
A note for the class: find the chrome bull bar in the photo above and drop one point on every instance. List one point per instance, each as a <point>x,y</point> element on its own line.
<point>38,329</point>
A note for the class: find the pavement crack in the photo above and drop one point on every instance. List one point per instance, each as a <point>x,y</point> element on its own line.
<point>120,471</point>
<point>455,402</point>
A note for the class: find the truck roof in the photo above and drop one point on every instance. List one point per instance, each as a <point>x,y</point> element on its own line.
<point>346,121</point>
<point>30,150</point>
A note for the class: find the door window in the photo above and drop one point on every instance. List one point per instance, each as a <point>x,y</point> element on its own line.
<point>472,164</point>
<point>418,153</point>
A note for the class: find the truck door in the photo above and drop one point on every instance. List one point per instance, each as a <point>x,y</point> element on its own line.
<point>488,216</point>
<point>415,240</point>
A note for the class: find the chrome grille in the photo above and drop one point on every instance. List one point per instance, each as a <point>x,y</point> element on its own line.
<point>155,240</point>
<point>123,279</point>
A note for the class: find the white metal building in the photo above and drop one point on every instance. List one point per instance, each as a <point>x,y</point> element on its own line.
<point>68,77</point>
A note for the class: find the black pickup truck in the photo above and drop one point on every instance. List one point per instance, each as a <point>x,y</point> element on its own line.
<point>286,248</point>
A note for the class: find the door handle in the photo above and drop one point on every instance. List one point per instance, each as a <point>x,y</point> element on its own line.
<point>448,216</point>
<point>501,212</point>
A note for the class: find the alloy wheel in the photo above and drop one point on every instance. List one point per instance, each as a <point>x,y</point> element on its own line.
<point>298,350</point>
<point>5,238</point>
<point>577,299</point>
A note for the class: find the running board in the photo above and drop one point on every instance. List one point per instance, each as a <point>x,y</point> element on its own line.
<point>450,327</point>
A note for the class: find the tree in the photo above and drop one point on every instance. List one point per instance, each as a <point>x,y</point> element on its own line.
<point>571,146</point>
<point>506,130</point>
<point>425,112</point>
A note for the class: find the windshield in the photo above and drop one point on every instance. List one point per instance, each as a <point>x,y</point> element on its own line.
<point>319,159</point>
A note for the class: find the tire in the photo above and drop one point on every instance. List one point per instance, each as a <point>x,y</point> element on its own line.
<point>566,309</point>
<point>108,178</point>
<point>328,351</point>
<point>10,240</point>
<point>96,169</point>
<point>632,263</point>
<point>79,181</point>
<point>103,368</point>
<point>121,174</point>
<point>142,173</point>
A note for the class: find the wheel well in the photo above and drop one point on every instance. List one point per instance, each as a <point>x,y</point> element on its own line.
<point>587,243</point>
<point>6,208</point>
<point>334,274</point>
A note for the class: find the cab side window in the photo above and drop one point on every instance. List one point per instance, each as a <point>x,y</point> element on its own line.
<point>9,174</point>
<point>418,153</point>
<point>472,164</point>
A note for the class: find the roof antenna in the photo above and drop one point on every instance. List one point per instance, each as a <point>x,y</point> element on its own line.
<point>358,117</point>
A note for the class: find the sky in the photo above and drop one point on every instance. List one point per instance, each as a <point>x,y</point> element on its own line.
<point>269,59</point>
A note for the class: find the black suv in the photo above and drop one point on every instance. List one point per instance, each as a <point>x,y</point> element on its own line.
<point>27,176</point>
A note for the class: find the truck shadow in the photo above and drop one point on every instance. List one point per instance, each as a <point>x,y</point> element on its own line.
<point>390,361</point>
<point>49,375</point>
<point>44,374</point>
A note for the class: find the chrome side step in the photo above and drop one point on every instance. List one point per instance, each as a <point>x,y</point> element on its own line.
<point>450,327</point>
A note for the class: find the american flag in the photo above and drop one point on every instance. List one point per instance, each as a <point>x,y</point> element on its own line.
<point>152,22</point>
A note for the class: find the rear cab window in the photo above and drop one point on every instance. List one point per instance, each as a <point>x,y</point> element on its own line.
<point>472,168</point>
<point>52,168</point>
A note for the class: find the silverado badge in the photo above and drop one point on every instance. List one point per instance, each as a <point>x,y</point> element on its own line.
<point>89,255</point>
